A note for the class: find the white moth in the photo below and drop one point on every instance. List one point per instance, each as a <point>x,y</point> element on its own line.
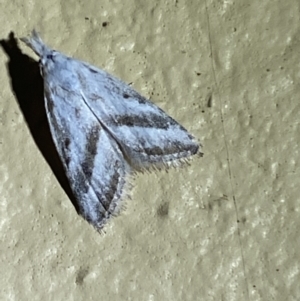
<point>104,131</point>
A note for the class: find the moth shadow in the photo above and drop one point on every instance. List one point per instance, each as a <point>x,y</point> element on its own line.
<point>27,85</point>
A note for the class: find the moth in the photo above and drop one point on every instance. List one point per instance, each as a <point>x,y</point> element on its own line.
<point>104,131</point>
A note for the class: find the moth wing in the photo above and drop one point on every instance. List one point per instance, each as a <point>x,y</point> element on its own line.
<point>145,133</point>
<point>92,160</point>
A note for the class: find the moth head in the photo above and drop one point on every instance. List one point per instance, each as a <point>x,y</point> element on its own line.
<point>48,60</point>
<point>46,54</point>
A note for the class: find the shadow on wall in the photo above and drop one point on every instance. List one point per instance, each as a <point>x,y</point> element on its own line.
<point>27,85</point>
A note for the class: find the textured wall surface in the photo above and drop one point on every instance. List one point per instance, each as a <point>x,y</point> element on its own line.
<point>224,228</point>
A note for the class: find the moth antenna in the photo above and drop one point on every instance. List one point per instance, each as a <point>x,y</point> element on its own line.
<point>35,43</point>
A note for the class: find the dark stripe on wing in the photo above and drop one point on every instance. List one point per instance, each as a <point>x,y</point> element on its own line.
<point>107,195</point>
<point>90,151</point>
<point>146,121</point>
<point>175,148</point>
<point>84,172</point>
